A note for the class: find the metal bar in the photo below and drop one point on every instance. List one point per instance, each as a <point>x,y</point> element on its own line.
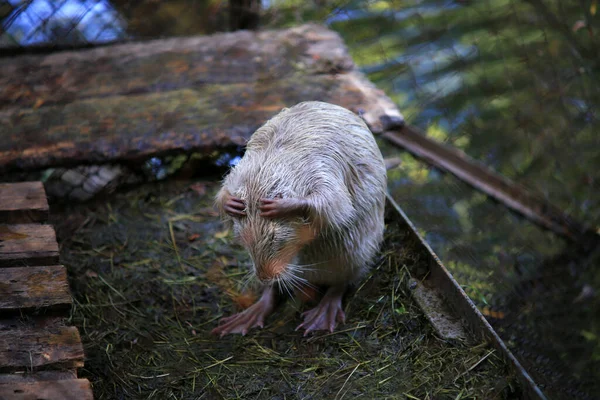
<point>440,278</point>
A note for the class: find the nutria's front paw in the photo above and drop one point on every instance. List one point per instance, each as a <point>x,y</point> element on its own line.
<point>251,317</point>
<point>234,206</point>
<point>278,207</point>
<point>239,323</point>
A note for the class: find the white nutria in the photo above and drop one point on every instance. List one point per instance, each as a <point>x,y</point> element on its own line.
<point>307,202</point>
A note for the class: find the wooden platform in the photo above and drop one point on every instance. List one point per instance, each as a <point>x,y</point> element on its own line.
<point>134,101</point>
<point>39,352</point>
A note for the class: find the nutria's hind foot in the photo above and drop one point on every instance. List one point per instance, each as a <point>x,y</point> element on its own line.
<point>249,318</point>
<point>326,314</point>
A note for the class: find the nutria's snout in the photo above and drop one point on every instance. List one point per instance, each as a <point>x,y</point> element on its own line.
<point>271,271</point>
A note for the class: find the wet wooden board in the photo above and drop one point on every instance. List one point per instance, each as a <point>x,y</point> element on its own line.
<point>27,376</point>
<point>25,288</point>
<point>144,99</point>
<point>39,342</point>
<point>39,353</point>
<point>23,202</point>
<point>75,389</point>
<point>28,244</point>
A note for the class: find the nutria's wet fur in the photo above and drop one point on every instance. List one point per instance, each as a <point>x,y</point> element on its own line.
<point>324,153</point>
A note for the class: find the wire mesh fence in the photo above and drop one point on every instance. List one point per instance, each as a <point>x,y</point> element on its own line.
<point>513,83</point>
<point>60,23</point>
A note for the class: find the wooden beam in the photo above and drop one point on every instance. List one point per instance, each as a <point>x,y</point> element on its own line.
<point>29,244</point>
<point>493,184</point>
<point>39,342</point>
<point>139,100</point>
<point>74,389</point>
<point>23,202</point>
<point>24,288</point>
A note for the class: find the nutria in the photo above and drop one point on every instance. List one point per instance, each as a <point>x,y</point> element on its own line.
<point>307,202</point>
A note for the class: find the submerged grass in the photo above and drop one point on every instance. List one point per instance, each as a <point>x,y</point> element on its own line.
<point>152,270</point>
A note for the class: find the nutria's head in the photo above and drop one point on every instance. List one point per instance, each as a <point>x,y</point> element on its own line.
<point>273,244</point>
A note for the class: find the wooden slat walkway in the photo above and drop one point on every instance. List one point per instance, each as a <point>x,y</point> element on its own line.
<point>39,352</point>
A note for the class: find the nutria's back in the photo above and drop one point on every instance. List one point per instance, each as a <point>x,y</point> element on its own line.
<point>327,152</point>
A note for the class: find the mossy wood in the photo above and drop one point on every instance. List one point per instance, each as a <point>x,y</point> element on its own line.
<point>23,202</point>
<point>27,244</point>
<point>164,96</point>
<point>34,288</point>
<point>75,389</point>
<point>39,342</point>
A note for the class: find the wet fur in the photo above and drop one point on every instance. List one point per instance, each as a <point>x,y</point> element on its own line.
<point>327,154</point>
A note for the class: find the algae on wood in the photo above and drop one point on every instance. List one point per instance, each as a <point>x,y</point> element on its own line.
<point>34,288</point>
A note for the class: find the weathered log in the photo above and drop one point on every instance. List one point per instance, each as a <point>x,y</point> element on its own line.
<point>144,99</point>
<point>23,202</point>
<point>29,244</point>
<point>39,342</point>
<point>74,389</point>
<point>24,288</point>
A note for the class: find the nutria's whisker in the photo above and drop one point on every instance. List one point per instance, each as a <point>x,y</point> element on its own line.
<point>299,287</point>
<point>247,280</point>
<point>283,283</point>
<point>300,281</point>
<point>299,268</point>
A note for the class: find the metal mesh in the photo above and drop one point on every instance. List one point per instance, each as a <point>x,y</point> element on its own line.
<point>60,23</point>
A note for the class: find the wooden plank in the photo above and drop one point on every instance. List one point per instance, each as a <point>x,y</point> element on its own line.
<point>39,342</point>
<point>138,100</point>
<point>34,288</point>
<point>170,64</point>
<point>74,389</point>
<point>26,376</point>
<point>493,184</point>
<point>28,244</point>
<point>23,202</point>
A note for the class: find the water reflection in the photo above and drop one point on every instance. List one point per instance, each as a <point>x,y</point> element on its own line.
<point>501,81</point>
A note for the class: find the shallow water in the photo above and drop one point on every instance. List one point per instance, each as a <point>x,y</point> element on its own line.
<point>507,84</point>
